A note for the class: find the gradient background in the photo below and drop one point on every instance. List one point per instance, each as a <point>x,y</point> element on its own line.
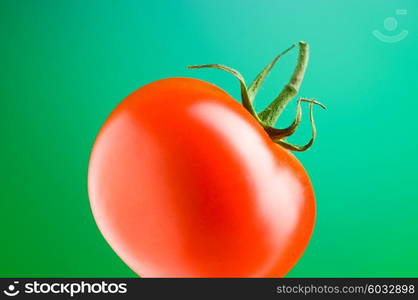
<point>66,64</point>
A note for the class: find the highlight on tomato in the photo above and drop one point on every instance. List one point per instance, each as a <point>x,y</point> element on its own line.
<point>184,181</point>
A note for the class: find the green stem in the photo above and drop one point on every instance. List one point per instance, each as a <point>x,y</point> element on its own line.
<point>293,147</point>
<point>258,81</point>
<point>270,115</point>
<point>278,134</point>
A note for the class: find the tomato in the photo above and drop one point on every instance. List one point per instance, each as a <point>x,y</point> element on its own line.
<point>184,182</point>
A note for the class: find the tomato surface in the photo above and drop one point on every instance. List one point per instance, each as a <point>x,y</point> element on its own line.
<point>184,182</point>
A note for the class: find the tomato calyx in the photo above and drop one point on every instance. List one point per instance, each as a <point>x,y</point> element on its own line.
<point>269,116</point>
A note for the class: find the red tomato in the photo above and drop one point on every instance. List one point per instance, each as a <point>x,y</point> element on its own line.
<point>184,182</point>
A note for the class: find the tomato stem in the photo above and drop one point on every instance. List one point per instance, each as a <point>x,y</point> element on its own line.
<point>258,81</point>
<point>278,134</point>
<point>269,116</point>
<point>305,147</point>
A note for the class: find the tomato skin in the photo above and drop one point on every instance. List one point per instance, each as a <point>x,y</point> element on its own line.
<point>183,182</point>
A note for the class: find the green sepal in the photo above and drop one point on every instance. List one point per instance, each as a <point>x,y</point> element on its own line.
<point>268,117</point>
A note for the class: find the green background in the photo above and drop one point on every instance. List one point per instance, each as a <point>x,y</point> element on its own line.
<point>66,64</point>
